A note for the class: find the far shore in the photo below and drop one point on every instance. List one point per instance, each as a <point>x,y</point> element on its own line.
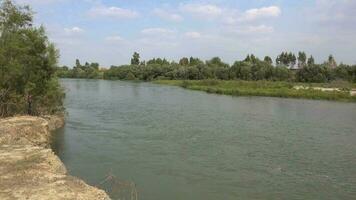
<point>337,91</point>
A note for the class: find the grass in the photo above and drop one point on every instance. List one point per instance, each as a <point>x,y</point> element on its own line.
<point>266,88</point>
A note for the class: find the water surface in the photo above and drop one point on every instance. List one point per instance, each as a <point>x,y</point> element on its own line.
<point>180,144</point>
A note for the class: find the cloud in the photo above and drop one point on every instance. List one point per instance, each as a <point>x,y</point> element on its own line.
<point>192,35</point>
<point>257,13</point>
<point>167,15</point>
<point>114,38</point>
<point>115,12</point>
<point>233,16</point>
<point>201,10</point>
<point>157,31</point>
<point>340,13</point>
<point>258,29</point>
<point>247,30</point>
<point>73,31</point>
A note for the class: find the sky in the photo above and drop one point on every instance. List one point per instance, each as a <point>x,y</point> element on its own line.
<point>109,31</point>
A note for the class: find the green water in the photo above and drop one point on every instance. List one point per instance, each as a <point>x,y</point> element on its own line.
<point>181,144</point>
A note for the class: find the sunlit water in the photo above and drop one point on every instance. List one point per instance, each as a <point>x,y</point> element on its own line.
<point>181,144</point>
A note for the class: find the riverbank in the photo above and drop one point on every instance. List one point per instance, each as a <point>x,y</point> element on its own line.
<point>30,170</point>
<point>343,91</point>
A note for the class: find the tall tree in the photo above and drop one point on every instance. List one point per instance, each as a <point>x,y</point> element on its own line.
<point>292,60</point>
<point>311,61</point>
<point>331,62</point>
<point>135,60</point>
<point>302,59</point>
<point>77,63</point>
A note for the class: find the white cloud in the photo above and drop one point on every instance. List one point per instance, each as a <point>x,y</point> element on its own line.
<point>259,29</point>
<point>114,38</point>
<point>257,13</point>
<point>73,31</point>
<point>234,17</point>
<point>193,35</point>
<point>116,12</point>
<point>167,15</point>
<point>157,31</point>
<point>202,10</point>
<point>245,30</point>
<point>335,12</point>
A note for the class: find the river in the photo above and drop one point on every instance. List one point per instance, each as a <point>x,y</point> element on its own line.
<point>180,144</point>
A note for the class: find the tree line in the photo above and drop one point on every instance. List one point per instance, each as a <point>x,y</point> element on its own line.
<point>88,70</point>
<point>287,67</point>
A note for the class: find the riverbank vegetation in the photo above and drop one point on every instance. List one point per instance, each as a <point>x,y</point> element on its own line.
<point>88,71</point>
<point>27,64</point>
<point>290,75</point>
<point>287,67</point>
<point>267,88</point>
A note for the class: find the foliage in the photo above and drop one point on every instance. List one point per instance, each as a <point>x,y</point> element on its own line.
<point>251,68</point>
<point>260,88</point>
<point>88,70</point>
<point>27,64</point>
<point>302,59</point>
<point>135,60</point>
<point>286,59</point>
<point>314,74</point>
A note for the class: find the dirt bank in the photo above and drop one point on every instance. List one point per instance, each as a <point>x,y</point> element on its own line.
<point>28,167</point>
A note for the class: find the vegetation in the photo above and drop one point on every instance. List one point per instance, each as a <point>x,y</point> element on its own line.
<point>265,88</point>
<point>288,68</point>
<point>250,76</point>
<point>27,64</point>
<point>89,71</point>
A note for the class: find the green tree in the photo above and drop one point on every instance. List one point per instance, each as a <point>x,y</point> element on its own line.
<point>268,60</point>
<point>77,63</point>
<point>28,63</point>
<point>135,60</point>
<point>184,61</point>
<point>292,60</point>
<point>302,59</point>
<point>331,62</point>
<point>311,61</point>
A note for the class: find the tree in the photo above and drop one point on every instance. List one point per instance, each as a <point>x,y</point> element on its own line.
<point>28,63</point>
<point>292,60</point>
<point>286,59</point>
<point>302,59</point>
<point>216,62</point>
<point>77,63</point>
<point>135,60</point>
<point>314,74</point>
<point>194,61</point>
<point>248,58</point>
<point>311,61</point>
<point>95,66</point>
<point>268,60</point>
<point>331,62</point>
<point>184,61</point>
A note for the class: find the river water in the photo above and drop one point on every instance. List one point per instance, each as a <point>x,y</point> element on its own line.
<point>179,144</point>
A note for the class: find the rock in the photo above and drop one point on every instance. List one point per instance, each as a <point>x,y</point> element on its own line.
<point>30,170</point>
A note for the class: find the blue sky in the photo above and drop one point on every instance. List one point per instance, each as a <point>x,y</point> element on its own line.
<point>109,31</point>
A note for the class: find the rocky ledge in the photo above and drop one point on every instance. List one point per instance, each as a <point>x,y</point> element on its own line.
<point>28,167</point>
